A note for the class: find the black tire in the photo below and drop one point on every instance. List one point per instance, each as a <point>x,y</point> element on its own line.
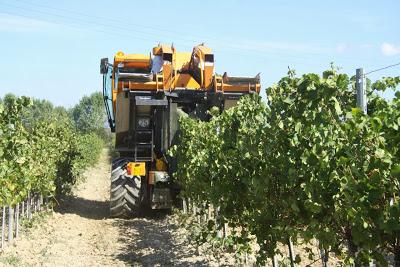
<point>117,161</point>
<point>125,192</point>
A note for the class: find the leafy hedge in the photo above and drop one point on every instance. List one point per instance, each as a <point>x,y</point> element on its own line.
<point>45,155</point>
<point>306,165</point>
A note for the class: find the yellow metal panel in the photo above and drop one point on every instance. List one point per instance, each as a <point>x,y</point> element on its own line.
<point>166,49</point>
<point>186,81</point>
<point>120,56</point>
<point>137,168</point>
<point>151,86</point>
<point>182,60</point>
<point>132,60</point>
<point>157,50</point>
<point>204,49</point>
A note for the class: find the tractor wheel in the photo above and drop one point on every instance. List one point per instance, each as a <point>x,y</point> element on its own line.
<point>125,193</point>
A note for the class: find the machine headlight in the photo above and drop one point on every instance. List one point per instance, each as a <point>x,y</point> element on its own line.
<point>143,122</point>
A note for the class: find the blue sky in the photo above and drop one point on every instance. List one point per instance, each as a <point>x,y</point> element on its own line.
<point>52,49</point>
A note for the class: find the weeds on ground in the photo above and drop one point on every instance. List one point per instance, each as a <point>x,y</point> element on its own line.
<point>11,260</point>
<point>36,220</point>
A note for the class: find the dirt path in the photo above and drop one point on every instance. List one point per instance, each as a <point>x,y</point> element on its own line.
<point>80,233</point>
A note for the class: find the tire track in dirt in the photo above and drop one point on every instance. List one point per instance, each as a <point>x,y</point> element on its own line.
<point>79,233</point>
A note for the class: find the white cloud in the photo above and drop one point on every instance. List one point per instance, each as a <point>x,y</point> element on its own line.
<point>11,23</point>
<point>340,48</point>
<point>390,49</point>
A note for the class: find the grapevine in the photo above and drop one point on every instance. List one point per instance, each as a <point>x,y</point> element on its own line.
<point>43,155</point>
<point>307,164</point>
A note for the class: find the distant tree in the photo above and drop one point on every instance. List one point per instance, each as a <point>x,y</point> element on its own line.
<point>40,110</point>
<point>8,99</point>
<point>89,114</point>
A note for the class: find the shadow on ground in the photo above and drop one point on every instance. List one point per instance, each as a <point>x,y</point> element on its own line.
<point>150,242</point>
<point>91,209</point>
<point>146,241</point>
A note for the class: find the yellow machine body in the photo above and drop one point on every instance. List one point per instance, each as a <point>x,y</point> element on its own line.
<point>183,70</point>
<point>145,95</point>
<point>136,168</point>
